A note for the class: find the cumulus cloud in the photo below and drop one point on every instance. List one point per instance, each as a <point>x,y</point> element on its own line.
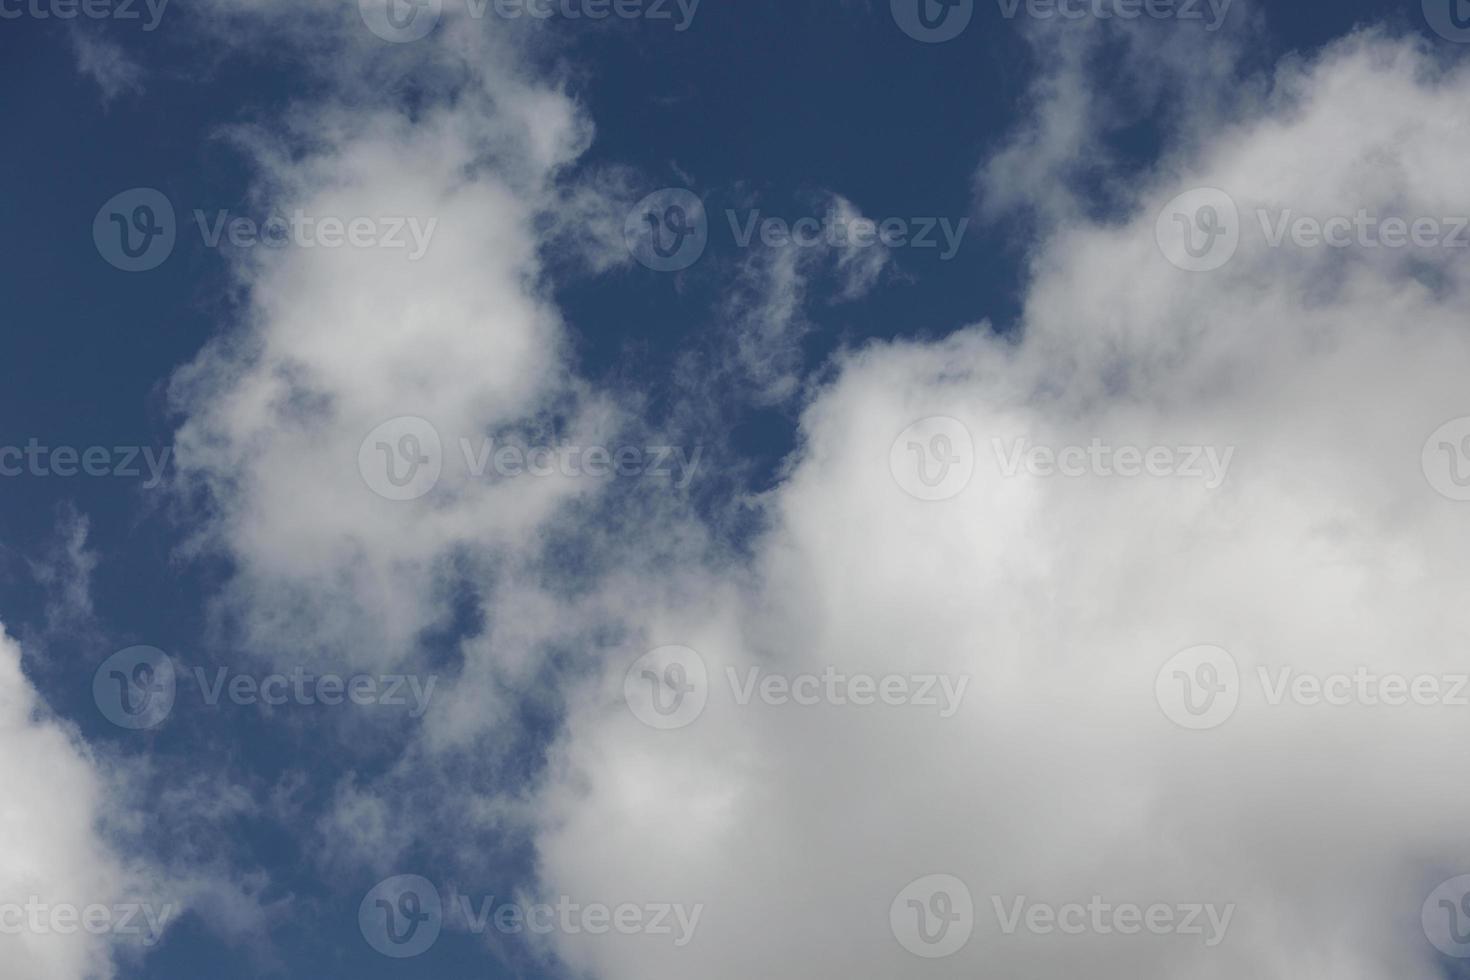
<point>1061,777</point>
<point>1317,373</point>
<point>55,859</point>
<point>283,419</point>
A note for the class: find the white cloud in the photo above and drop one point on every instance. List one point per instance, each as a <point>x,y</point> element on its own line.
<point>1097,78</point>
<point>65,574</point>
<point>108,64</point>
<point>1061,778</point>
<point>53,855</point>
<point>766,308</point>
<point>337,342</point>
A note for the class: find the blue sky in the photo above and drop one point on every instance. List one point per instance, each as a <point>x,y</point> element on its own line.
<point>246,376</point>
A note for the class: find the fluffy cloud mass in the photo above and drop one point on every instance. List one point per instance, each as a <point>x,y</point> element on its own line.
<point>1031,628</point>
<point>1318,373</point>
<point>347,354</point>
<point>56,862</point>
